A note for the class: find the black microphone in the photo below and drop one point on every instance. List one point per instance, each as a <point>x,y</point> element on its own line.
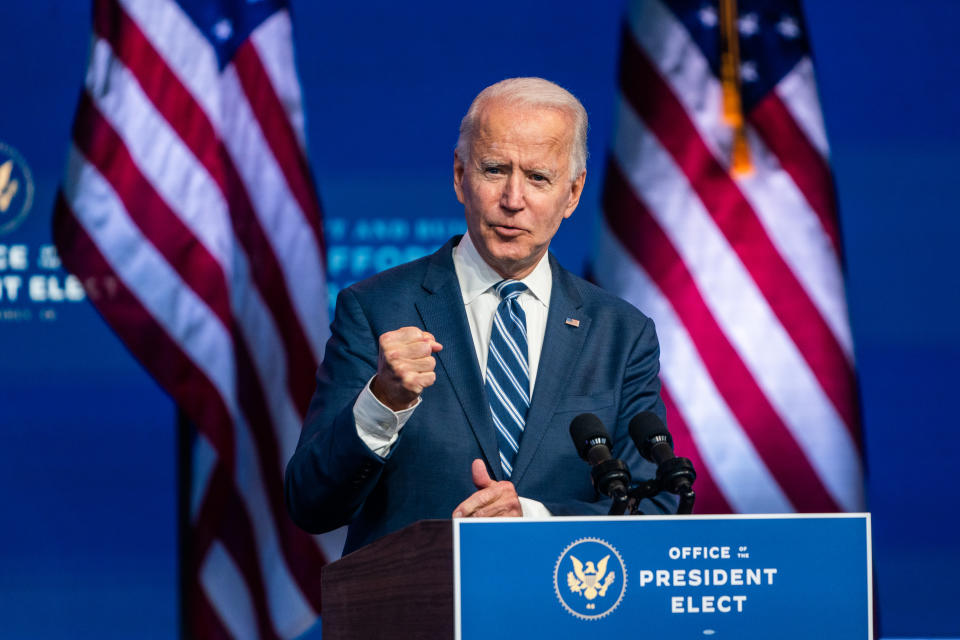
<point>655,444</point>
<point>611,477</point>
<point>651,437</point>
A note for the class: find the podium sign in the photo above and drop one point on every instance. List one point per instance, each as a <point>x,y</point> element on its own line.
<point>743,577</point>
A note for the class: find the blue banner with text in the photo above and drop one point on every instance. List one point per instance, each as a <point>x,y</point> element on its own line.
<point>743,577</point>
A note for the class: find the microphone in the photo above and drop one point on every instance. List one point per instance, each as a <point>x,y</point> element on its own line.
<point>651,437</point>
<point>611,477</point>
<point>655,444</point>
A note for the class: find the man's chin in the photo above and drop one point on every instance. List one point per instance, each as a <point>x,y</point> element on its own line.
<point>511,265</point>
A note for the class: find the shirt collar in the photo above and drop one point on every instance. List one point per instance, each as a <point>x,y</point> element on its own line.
<point>476,276</point>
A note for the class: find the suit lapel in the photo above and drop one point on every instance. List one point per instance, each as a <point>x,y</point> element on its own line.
<point>443,315</point>
<point>562,344</point>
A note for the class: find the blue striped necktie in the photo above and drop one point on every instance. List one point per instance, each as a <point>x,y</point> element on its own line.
<point>508,373</point>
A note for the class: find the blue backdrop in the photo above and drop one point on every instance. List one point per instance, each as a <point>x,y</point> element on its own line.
<point>87,477</point>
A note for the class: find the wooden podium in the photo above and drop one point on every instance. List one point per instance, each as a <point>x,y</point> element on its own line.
<point>400,586</point>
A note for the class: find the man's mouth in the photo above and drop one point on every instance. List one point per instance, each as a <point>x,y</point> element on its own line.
<point>506,231</point>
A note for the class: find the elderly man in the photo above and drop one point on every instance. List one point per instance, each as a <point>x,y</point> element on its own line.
<point>449,383</point>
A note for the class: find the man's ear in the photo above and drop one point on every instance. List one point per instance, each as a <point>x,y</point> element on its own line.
<point>458,169</point>
<point>576,190</point>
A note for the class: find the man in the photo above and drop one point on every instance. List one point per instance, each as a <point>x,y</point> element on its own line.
<point>449,383</point>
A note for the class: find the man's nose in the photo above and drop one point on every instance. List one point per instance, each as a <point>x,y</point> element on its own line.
<point>512,197</point>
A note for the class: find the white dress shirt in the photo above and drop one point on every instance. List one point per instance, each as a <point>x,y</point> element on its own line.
<point>379,426</point>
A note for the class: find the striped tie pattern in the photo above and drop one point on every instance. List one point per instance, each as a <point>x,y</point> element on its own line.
<point>508,373</point>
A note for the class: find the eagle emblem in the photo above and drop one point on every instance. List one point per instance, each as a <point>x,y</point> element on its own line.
<point>589,581</point>
<point>590,589</point>
<point>16,189</point>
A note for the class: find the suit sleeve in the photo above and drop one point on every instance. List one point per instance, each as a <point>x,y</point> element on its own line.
<point>640,391</point>
<point>333,471</point>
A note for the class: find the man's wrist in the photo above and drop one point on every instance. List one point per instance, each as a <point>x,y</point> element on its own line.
<point>394,404</point>
<point>377,424</point>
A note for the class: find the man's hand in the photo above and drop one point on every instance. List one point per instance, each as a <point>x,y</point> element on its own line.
<point>492,498</point>
<point>405,367</point>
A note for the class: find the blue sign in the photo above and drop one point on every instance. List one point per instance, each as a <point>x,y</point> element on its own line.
<point>737,577</point>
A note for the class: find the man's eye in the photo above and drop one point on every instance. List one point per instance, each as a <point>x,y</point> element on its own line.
<point>536,177</point>
<point>492,170</point>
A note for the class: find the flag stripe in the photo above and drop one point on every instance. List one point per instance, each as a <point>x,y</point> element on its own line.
<point>796,233</point>
<point>188,211</point>
<point>223,583</point>
<point>739,471</point>
<point>164,34</point>
<point>190,122</point>
<point>793,226</point>
<point>200,619</point>
<point>177,175</point>
<point>285,234</point>
<point>738,262</point>
<point>645,240</point>
<point>152,280</point>
<point>709,497</point>
<point>160,154</point>
<point>807,168</point>
<point>278,133</point>
<point>164,87</point>
<point>289,610</point>
<point>664,115</point>
<point>138,328</point>
<point>179,179</point>
<point>224,521</point>
<point>300,552</point>
<point>273,43</point>
<point>798,92</point>
<point>265,269</point>
<point>738,306</point>
<point>103,148</point>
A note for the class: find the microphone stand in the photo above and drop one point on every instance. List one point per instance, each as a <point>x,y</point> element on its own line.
<point>675,476</point>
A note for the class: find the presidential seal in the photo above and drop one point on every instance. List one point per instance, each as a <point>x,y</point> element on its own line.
<point>16,189</point>
<point>590,578</point>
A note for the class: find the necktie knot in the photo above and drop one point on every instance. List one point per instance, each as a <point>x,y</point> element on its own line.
<point>509,289</point>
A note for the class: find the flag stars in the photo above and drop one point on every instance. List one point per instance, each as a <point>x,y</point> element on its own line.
<point>748,24</point>
<point>708,16</point>
<point>223,29</point>
<point>788,27</point>
<point>748,71</point>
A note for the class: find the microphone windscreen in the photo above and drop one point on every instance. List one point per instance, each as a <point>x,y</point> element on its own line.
<point>644,428</point>
<point>587,431</point>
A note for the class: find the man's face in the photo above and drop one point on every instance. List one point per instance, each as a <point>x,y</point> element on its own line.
<point>515,186</point>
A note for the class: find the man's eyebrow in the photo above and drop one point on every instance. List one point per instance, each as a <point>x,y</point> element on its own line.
<point>541,170</point>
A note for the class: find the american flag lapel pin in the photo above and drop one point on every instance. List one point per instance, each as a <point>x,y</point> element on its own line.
<point>573,322</point>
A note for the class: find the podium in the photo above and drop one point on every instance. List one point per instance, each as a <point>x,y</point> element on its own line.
<point>745,577</point>
<point>400,586</point>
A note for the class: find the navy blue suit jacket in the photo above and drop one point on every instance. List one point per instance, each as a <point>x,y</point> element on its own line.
<point>607,366</point>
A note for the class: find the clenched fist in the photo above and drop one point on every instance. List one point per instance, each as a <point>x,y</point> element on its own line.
<point>405,367</point>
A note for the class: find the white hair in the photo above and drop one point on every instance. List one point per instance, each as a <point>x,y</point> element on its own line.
<point>532,92</point>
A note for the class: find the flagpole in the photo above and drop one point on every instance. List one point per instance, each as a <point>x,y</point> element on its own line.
<point>185,435</point>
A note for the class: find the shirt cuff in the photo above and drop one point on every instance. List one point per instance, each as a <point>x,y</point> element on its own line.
<point>377,424</point>
<point>533,508</point>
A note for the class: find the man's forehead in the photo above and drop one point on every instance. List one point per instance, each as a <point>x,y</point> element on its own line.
<point>503,125</point>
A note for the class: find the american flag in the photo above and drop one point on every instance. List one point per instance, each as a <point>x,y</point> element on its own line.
<point>720,223</point>
<point>189,213</point>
